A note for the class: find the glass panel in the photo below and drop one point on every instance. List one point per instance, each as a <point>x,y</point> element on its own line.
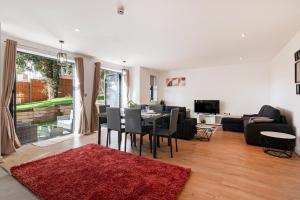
<point>153,88</point>
<point>44,98</point>
<point>112,89</point>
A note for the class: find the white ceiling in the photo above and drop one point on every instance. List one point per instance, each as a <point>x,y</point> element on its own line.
<point>160,34</point>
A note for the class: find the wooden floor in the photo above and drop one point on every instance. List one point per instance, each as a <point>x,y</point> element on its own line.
<point>224,168</point>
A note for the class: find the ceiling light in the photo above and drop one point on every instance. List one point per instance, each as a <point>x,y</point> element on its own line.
<point>241,58</point>
<point>120,10</point>
<point>62,57</point>
<point>243,35</point>
<point>77,30</point>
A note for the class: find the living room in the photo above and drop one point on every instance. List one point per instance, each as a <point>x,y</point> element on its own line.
<point>160,58</point>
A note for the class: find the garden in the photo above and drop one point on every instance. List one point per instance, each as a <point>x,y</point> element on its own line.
<point>44,96</point>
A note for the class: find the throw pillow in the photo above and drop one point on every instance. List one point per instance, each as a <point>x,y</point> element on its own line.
<point>260,119</point>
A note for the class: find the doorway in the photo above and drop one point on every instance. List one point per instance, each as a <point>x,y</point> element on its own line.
<point>42,103</point>
<point>110,88</point>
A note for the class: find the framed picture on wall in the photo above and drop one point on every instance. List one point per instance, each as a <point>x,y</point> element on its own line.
<point>297,72</point>
<point>179,81</point>
<point>297,56</point>
<point>298,89</point>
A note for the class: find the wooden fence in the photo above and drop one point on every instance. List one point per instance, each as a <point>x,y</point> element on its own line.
<point>36,90</point>
<point>23,92</point>
<point>65,87</point>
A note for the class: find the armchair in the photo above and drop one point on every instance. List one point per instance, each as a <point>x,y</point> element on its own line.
<point>252,130</point>
<point>66,121</point>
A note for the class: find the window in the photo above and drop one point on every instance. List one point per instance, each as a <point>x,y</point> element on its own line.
<point>153,88</point>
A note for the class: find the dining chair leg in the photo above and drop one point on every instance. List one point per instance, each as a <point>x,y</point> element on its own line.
<point>158,143</point>
<point>150,139</point>
<point>171,149</point>
<point>131,139</point>
<point>141,144</point>
<point>107,136</point>
<point>125,142</point>
<point>119,140</point>
<point>176,142</point>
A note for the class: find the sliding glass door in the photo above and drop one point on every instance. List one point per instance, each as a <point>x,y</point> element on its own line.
<point>113,89</point>
<point>42,101</point>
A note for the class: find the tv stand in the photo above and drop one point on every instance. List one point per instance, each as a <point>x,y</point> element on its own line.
<point>210,119</point>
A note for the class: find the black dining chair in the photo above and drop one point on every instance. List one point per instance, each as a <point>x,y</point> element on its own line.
<point>160,123</point>
<point>102,121</point>
<point>102,109</point>
<point>114,124</point>
<point>156,108</point>
<point>171,131</point>
<point>133,125</point>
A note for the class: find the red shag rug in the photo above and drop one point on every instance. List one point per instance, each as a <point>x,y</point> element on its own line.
<point>96,172</point>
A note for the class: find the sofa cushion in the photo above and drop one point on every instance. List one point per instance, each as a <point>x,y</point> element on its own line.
<point>269,111</point>
<point>182,112</point>
<point>232,124</point>
<point>260,120</point>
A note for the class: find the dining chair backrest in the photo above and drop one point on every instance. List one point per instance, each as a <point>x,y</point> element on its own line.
<point>102,108</point>
<point>173,121</point>
<point>113,118</point>
<point>133,120</point>
<point>156,108</point>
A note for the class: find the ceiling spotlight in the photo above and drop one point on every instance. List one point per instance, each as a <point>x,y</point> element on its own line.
<point>77,30</point>
<point>121,10</point>
<point>243,35</point>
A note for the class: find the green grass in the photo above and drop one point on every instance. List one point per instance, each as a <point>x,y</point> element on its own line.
<point>45,104</point>
<point>47,123</point>
<point>101,98</point>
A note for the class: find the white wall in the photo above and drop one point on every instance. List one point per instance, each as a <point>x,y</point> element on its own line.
<point>145,84</point>
<point>134,84</point>
<point>283,88</point>
<point>140,84</point>
<point>1,72</point>
<point>241,88</point>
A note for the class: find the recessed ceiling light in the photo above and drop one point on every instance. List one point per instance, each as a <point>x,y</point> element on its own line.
<point>241,58</point>
<point>77,30</point>
<point>243,35</point>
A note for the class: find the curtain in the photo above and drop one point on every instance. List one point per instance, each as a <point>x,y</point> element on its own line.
<point>83,123</point>
<point>125,87</point>
<point>9,139</point>
<point>97,79</point>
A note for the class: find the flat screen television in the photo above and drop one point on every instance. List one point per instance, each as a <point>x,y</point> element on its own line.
<point>207,106</point>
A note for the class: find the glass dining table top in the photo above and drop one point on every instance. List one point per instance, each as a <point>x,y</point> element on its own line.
<point>144,114</point>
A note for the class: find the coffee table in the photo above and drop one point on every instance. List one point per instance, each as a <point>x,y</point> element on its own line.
<point>269,138</point>
<point>204,131</point>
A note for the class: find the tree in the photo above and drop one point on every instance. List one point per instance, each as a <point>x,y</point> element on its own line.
<point>49,68</point>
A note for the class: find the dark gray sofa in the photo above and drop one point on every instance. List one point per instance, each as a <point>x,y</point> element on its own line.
<point>186,126</point>
<point>252,130</point>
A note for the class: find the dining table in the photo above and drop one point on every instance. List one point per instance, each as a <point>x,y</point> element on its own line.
<point>151,117</point>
